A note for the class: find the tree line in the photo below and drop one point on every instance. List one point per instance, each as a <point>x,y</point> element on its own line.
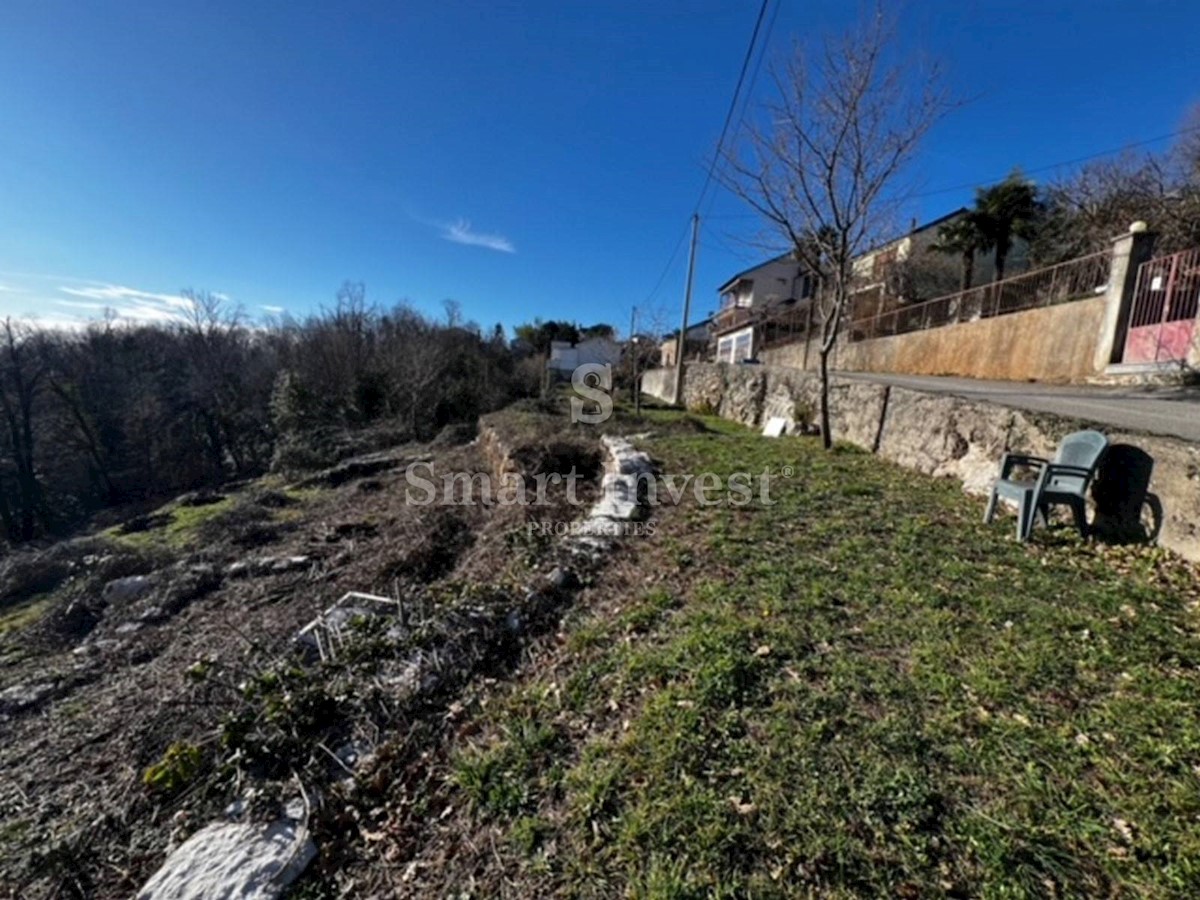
<point>122,412</point>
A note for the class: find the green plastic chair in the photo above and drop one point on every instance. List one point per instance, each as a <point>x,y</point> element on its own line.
<point>1062,481</point>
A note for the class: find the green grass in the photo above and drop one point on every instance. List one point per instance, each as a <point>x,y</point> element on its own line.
<point>26,612</point>
<point>179,532</point>
<point>857,691</point>
<point>183,529</point>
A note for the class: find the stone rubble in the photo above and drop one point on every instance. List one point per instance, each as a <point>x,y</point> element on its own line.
<point>243,861</point>
<point>619,503</point>
<point>234,861</point>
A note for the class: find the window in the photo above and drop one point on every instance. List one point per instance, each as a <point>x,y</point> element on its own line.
<point>742,346</point>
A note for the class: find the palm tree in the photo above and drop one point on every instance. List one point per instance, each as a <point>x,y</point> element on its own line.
<point>1004,211</point>
<point>961,237</point>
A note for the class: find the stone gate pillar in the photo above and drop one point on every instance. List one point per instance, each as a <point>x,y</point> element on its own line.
<point>1129,251</point>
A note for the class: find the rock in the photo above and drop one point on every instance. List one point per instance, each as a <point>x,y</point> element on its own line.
<point>25,574</point>
<point>619,500</point>
<point>200,498</point>
<point>944,435</point>
<point>102,645</point>
<point>78,618</point>
<point>129,628</point>
<point>234,861</point>
<point>267,565</point>
<point>192,583</point>
<point>122,590</point>
<point>22,697</point>
<point>562,579</point>
<point>352,754</point>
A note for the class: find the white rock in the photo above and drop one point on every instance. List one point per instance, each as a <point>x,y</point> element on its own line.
<point>20,696</point>
<point>234,861</point>
<point>120,590</point>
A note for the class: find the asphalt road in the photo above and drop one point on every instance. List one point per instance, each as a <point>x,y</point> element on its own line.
<point>1157,410</point>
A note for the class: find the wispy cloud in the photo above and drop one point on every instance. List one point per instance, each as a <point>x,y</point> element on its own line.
<point>116,294</point>
<point>131,304</point>
<point>83,304</point>
<point>61,301</point>
<point>460,233</point>
<point>273,310</point>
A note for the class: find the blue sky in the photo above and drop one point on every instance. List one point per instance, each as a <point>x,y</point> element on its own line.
<point>525,159</point>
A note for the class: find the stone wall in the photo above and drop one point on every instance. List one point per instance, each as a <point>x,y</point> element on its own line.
<point>938,434</point>
<point>1055,343</point>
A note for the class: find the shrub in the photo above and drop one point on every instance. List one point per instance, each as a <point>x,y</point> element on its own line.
<point>177,769</point>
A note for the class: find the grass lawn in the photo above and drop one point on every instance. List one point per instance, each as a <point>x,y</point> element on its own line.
<point>857,691</point>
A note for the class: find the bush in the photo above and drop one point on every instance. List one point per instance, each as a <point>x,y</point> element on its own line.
<point>177,769</point>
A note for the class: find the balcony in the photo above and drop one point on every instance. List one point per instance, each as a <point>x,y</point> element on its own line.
<point>731,318</point>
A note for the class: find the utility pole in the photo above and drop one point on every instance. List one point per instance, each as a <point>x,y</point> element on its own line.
<point>633,389</point>
<point>687,307</point>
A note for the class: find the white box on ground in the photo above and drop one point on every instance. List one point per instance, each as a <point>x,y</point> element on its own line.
<point>776,427</point>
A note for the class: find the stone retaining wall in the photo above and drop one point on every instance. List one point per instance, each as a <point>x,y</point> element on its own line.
<point>936,434</point>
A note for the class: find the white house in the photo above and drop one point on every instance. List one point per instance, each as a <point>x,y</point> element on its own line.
<point>565,358</point>
<point>750,297</point>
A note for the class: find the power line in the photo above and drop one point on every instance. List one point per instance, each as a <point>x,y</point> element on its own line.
<point>749,92</point>
<point>1065,162</point>
<point>667,268</point>
<point>762,11</point>
<point>733,105</point>
<point>986,181</point>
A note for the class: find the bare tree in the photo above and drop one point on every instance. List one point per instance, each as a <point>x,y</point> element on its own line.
<point>22,371</point>
<point>823,170</point>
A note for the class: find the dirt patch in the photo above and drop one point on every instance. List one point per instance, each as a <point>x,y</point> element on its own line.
<point>197,655</point>
<point>435,548</point>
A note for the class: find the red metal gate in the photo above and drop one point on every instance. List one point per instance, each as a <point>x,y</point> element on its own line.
<point>1162,322</point>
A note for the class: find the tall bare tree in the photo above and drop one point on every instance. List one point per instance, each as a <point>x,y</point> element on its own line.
<point>823,168</point>
<point>1089,207</point>
<point>22,372</point>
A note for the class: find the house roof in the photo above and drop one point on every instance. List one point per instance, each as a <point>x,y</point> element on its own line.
<point>788,256</point>
<point>674,332</point>
<point>940,220</point>
<point>742,274</point>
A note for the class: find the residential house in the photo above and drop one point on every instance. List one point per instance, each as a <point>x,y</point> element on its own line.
<point>695,343</point>
<point>908,270</point>
<point>904,269</point>
<point>566,357</point>
<point>771,303</point>
<point>754,296</point>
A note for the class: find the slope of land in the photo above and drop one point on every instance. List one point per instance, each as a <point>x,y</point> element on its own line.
<point>150,674</point>
<point>855,690</point>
